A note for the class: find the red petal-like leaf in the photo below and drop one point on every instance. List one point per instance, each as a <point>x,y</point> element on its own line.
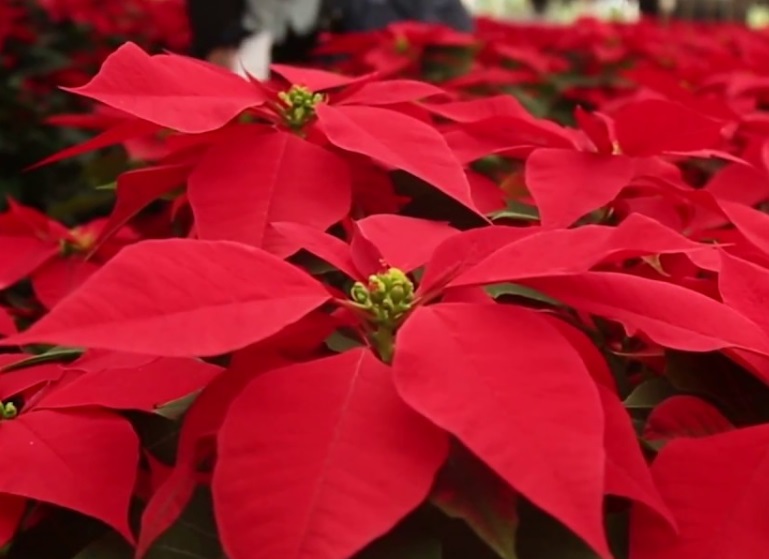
<point>254,178</point>
<point>717,488</point>
<point>567,251</point>
<point>170,90</point>
<point>22,256</point>
<point>317,460</point>
<point>314,79</point>
<point>141,388</point>
<point>685,416</point>
<point>745,287</point>
<point>390,92</point>
<point>331,249</point>
<point>180,298</point>
<point>118,134</point>
<point>405,242</point>
<point>391,138</point>
<point>516,393</point>
<point>83,461</point>
<point>138,189</point>
<point>670,315</point>
<point>568,184</point>
<point>653,126</point>
<point>59,277</point>
<point>480,109</point>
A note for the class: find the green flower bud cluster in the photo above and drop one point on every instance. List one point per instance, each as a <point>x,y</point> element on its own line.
<point>387,297</point>
<point>8,410</point>
<point>299,105</point>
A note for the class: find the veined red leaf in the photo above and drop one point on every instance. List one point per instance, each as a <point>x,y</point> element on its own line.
<point>59,277</point>
<point>479,109</point>
<point>326,247</point>
<point>405,242</point>
<point>627,474</point>
<point>390,92</point>
<point>170,90</point>
<point>84,461</point>
<point>144,388</point>
<point>180,298</point>
<point>568,184</point>
<point>670,315</point>
<point>201,421</point>
<point>138,189</point>
<point>22,256</point>
<point>463,251</point>
<point>685,416</point>
<point>317,460</point>
<point>315,79</point>
<point>256,177</point>
<point>116,135</point>
<point>750,222</point>
<point>390,138</point>
<point>653,126</point>
<point>469,367</point>
<point>717,488</point>
<point>565,251</point>
<point>744,286</point>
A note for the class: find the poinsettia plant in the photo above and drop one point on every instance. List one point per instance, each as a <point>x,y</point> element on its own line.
<point>375,311</point>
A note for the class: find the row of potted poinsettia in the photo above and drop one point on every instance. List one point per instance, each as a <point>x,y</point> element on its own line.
<point>500,294</point>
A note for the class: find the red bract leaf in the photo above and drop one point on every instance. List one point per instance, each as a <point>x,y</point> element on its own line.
<point>201,421</point>
<point>627,474</point>
<point>454,363</point>
<point>567,184</point>
<point>670,315</point>
<point>170,90</point>
<point>391,138</point>
<point>751,223</point>
<point>22,256</point>
<point>366,460</point>
<point>144,388</point>
<point>745,287</point>
<point>314,79</point>
<point>7,324</point>
<point>254,178</point>
<point>717,488</point>
<point>138,189</point>
<point>390,92</point>
<point>180,298</point>
<point>654,126</point>
<point>405,242</point>
<point>12,508</point>
<point>118,134</point>
<point>461,252</point>
<point>331,249</point>
<point>59,277</point>
<point>84,461</point>
<point>567,251</point>
<point>480,109</point>
<point>685,416</point>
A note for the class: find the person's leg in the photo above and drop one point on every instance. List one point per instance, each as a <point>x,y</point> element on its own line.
<point>215,26</point>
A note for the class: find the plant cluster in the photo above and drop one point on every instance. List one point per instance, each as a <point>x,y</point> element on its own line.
<point>447,296</point>
<point>49,44</point>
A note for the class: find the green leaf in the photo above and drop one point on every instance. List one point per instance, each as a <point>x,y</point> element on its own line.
<point>517,211</point>
<point>468,490</point>
<point>194,535</point>
<point>649,394</point>
<point>398,546</point>
<point>499,289</point>
<point>52,355</point>
<point>340,343</point>
<point>110,546</point>
<point>176,409</point>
